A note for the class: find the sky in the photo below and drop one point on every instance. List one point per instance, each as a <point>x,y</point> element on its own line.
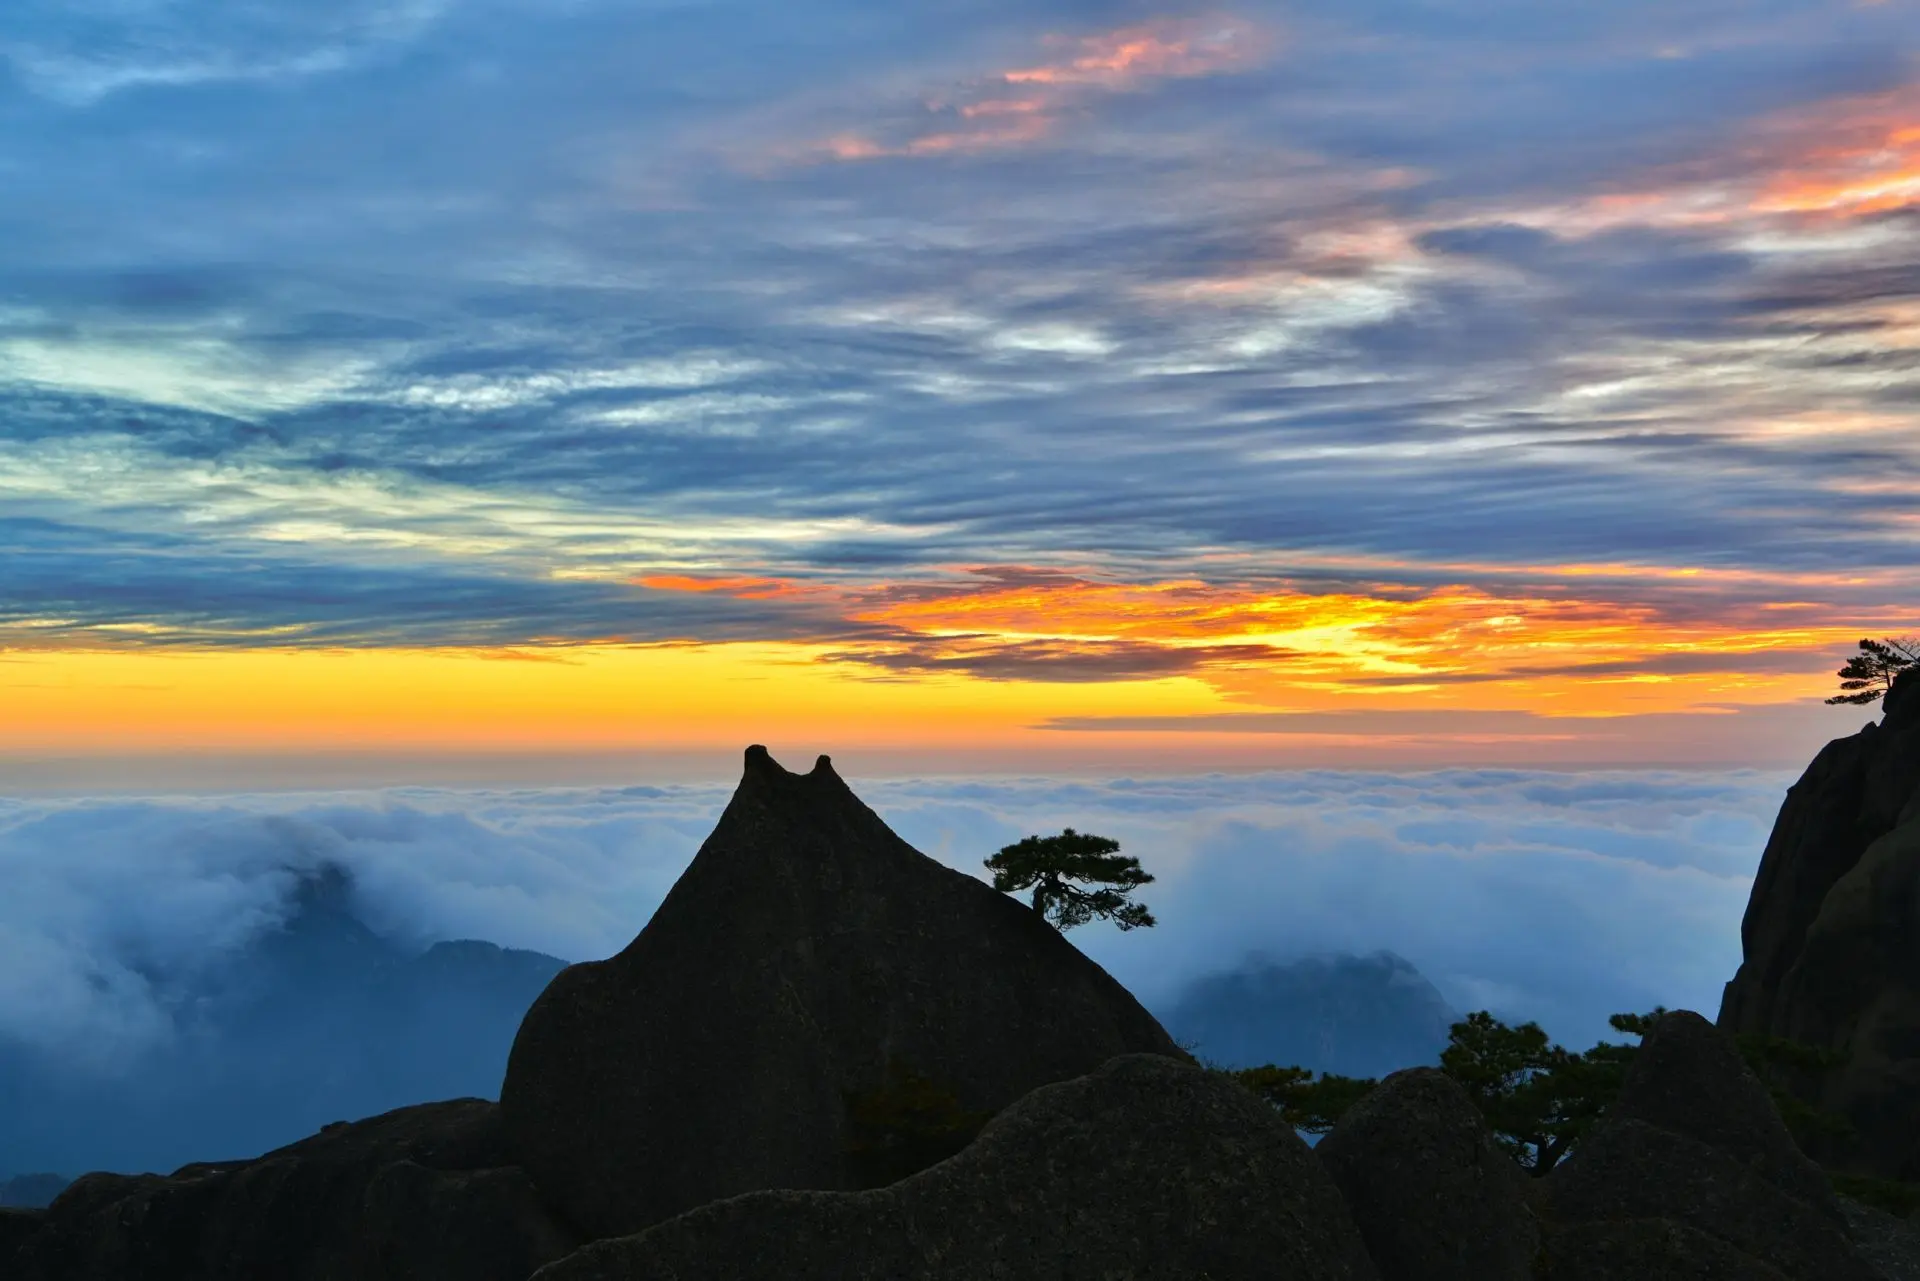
<point>1383,383</point>
<point>1555,896</point>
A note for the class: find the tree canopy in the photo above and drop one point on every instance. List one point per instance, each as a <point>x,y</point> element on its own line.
<point>1868,675</point>
<point>1047,865</point>
<point>1540,1099</point>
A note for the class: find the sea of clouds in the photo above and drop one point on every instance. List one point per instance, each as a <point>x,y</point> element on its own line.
<point>1550,896</point>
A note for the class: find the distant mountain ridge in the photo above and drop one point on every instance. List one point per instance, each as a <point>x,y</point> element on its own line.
<point>319,1020</point>
<point>1353,1015</point>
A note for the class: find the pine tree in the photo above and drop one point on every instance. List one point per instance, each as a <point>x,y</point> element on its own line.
<point>1869,674</point>
<point>1045,864</point>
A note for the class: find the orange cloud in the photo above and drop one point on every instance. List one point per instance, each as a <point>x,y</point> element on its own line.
<point>1854,157</point>
<point>1839,160</point>
<point>1268,646</point>
<point>744,588</point>
<point>1157,50</point>
<point>1025,105</point>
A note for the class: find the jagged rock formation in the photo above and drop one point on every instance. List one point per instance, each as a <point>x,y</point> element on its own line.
<point>1693,1148</point>
<point>1356,1015</point>
<point>805,957</point>
<point>1831,937</point>
<point>1145,1168</point>
<point>422,1194</point>
<point>1434,1197</point>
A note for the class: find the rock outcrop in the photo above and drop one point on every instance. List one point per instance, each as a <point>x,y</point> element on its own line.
<point>1146,1168</point>
<point>1694,1141</point>
<point>806,963</point>
<point>1434,1197</point>
<point>1831,937</point>
<point>1646,1249</point>
<point>421,1194</point>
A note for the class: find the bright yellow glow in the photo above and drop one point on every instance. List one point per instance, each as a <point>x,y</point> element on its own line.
<point>587,697</point>
<point>956,669</point>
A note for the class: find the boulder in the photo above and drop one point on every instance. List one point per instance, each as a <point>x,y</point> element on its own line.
<point>809,972</point>
<point>17,1227</point>
<point>1693,1139</point>
<point>1628,1169</point>
<point>424,1194</point>
<point>1831,937</point>
<point>1641,1249</point>
<point>1689,1079</point>
<point>1433,1196</point>
<point>1889,1243</point>
<point>1146,1168</point>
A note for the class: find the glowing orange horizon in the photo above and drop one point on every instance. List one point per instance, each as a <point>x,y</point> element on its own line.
<point>968,660</point>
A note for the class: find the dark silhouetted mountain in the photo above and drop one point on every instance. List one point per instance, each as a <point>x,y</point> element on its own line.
<point>1831,938</point>
<point>32,1191</point>
<point>318,1020</point>
<point>1354,1015</point>
<point>808,976</point>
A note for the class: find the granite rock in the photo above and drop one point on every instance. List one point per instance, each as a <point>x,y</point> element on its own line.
<point>1433,1196</point>
<point>1145,1170</point>
<point>807,959</point>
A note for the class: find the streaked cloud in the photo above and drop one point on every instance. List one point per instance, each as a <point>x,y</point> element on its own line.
<point>81,53</point>
<point>1252,361</point>
<point>1028,104</point>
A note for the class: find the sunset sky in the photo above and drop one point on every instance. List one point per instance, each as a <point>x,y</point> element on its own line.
<point>1377,382</point>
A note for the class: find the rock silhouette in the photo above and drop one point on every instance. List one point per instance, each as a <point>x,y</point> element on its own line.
<point>1694,1143</point>
<point>804,958</point>
<point>1433,1196</point>
<point>1147,1168</point>
<point>421,1194</point>
<point>1831,938</point>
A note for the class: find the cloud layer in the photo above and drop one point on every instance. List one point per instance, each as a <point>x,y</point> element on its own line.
<point>1558,897</point>
<point>1226,335</point>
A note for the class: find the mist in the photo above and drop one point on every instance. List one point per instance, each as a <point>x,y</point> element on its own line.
<point>132,926</point>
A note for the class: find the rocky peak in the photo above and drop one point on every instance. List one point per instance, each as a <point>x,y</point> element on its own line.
<point>1831,937</point>
<point>807,962</point>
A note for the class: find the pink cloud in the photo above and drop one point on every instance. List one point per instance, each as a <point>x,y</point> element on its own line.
<point>1027,104</point>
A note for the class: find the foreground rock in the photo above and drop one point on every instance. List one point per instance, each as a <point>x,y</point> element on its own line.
<point>809,977</point>
<point>1147,1168</point>
<point>422,1194</point>
<point>1645,1249</point>
<point>1434,1197</point>
<point>1694,1146</point>
<point>1831,937</point>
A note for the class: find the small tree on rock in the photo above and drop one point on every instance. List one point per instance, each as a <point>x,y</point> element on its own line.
<point>1869,674</point>
<point>1046,865</point>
